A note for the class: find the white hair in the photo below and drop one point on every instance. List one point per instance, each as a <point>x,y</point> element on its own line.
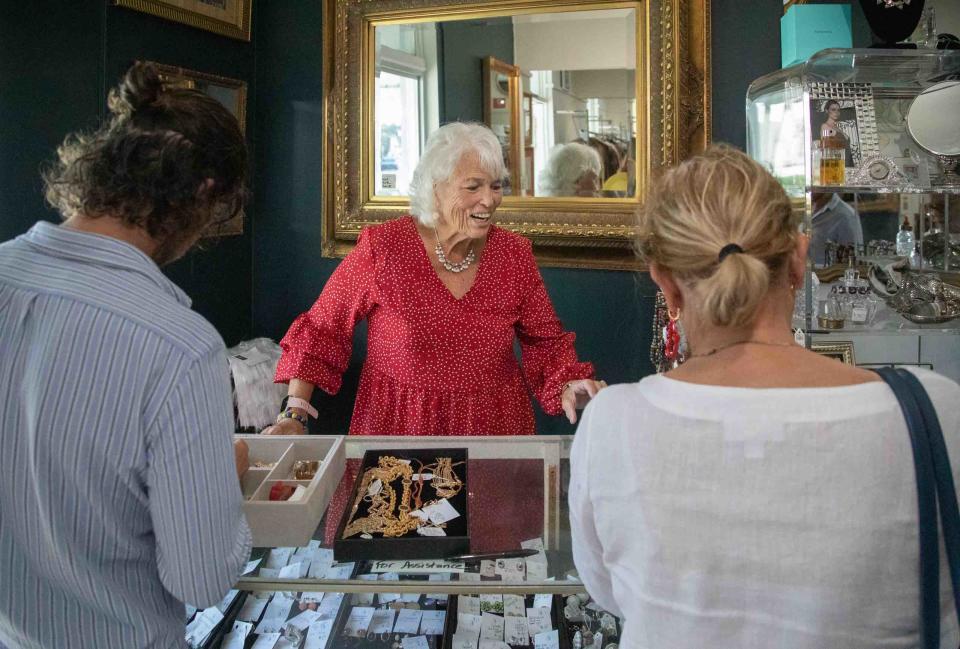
<point>445,148</point>
<point>566,164</point>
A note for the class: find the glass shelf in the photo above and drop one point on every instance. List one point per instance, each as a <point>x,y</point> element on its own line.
<point>883,189</point>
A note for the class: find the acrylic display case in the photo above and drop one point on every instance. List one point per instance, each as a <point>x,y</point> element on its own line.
<point>836,128</point>
<point>517,501</point>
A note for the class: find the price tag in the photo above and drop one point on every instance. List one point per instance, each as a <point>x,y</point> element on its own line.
<point>516,631</point>
<point>382,621</point>
<point>547,640</point>
<point>358,622</point>
<point>414,642</point>
<point>408,621</point>
<point>538,620</point>
<point>318,634</point>
<point>468,604</point>
<point>266,641</point>
<point>432,622</point>
<point>491,627</point>
<point>513,605</point>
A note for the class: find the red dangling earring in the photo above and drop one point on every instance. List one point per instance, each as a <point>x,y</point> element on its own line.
<point>671,338</point>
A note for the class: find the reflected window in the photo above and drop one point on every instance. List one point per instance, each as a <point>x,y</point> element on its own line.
<point>399,132</point>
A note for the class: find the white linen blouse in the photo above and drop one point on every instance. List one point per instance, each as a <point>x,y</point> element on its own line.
<point>711,516</point>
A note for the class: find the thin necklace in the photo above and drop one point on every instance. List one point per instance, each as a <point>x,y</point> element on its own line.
<point>452,266</point>
<point>769,343</point>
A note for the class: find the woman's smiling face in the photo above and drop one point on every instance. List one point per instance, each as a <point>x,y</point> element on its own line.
<point>467,200</point>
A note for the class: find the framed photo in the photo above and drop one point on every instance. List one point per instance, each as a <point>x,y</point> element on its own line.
<point>845,110</point>
<point>841,350</point>
<point>225,17</point>
<point>232,93</point>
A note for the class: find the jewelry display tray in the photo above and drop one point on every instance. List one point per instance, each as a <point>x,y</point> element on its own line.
<point>411,545</point>
<point>284,523</point>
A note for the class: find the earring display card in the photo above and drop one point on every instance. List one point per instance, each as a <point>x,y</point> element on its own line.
<point>534,621</point>
<point>288,485</point>
<point>407,504</point>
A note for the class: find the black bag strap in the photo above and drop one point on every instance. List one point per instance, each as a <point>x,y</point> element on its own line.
<point>926,505</point>
<point>943,475</point>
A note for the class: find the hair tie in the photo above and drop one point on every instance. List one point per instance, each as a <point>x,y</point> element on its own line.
<point>728,249</point>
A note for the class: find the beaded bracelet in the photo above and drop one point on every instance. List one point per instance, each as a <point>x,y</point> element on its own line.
<point>290,413</point>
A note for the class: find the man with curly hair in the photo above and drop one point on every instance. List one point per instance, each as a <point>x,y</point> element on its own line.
<point>119,498</point>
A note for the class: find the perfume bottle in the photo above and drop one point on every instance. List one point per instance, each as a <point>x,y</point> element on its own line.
<point>832,158</point>
<point>905,239</point>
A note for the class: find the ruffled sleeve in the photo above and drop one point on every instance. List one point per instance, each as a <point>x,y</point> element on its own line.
<point>317,346</point>
<point>547,354</point>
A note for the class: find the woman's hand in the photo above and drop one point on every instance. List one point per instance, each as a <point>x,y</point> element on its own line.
<point>241,456</point>
<point>577,394</point>
<point>285,427</point>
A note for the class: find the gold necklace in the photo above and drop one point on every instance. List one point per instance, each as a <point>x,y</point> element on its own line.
<point>769,343</point>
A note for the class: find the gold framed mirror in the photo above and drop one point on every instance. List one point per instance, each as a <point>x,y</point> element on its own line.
<point>628,78</point>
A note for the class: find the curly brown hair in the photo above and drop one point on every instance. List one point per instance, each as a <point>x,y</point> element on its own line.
<point>170,160</point>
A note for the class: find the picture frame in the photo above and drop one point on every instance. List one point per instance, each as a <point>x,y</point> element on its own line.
<point>855,121</point>
<point>229,18</point>
<point>232,94</point>
<point>841,350</point>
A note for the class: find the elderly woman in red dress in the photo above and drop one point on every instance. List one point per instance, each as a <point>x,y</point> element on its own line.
<point>445,293</point>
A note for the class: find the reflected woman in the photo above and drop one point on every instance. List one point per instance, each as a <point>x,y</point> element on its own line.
<point>573,169</point>
<point>445,293</point>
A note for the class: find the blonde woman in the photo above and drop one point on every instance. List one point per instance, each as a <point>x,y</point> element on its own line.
<point>759,495</point>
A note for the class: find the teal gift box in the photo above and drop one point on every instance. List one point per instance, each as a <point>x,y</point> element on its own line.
<point>806,29</point>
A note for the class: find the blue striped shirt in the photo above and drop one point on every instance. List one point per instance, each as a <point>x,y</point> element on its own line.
<point>119,499</point>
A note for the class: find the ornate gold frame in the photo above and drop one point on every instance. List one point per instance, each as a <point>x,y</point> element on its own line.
<point>841,350</point>
<point>239,28</point>
<point>188,78</point>
<point>673,70</point>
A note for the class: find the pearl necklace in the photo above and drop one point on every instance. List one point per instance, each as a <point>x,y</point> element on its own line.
<point>452,266</point>
<point>769,343</point>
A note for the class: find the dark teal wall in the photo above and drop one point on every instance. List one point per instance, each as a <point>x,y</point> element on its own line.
<point>57,60</point>
<point>462,45</point>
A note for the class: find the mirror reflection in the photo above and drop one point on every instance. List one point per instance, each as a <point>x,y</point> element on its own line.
<point>558,89</point>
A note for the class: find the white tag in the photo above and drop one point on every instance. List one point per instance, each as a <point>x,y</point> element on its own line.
<point>366,536</point>
<point>465,640</point>
<point>515,631</point>
<point>279,557</point>
<point>252,609</point>
<point>469,576</point>
<point>276,614</point>
<point>468,622</point>
<point>532,544</point>
<point>386,598</point>
<point>269,573</point>
<point>298,494</point>
<point>252,357</point>
<point>488,568</point>
<point>543,600</point>
<point>339,571</point>
<point>251,566</point>
<point>414,642</point>
<point>318,634</point>
<point>292,571</point>
<point>382,621</point>
<point>410,597</point>
<point>417,566</point>
<point>858,314</point>
<point>432,622</point>
<point>330,605</point>
<point>426,477</point>
<point>358,622</point>
<point>429,530</point>
<point>201,626</point>
<point>375,487</point>
<point>441,512</point>
<point>514,605</point>
<point>311,598</point>
<point>321,554</point>
<point>233,640</point>
<point>536,570</point>
<point>303,620</point>
<point>419,514</point>
<point>491,626</point>
<point>365,599</point>
<point>547,640</point>
<point>511,570</point>
<point>266,641</point>
<point>408,621</point>
<point>491,603</point>
<point>468,604</point>
<point>538,620</point>
<point>227,601</point>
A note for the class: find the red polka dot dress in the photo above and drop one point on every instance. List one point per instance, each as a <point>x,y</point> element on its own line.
<point>436,365</point>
